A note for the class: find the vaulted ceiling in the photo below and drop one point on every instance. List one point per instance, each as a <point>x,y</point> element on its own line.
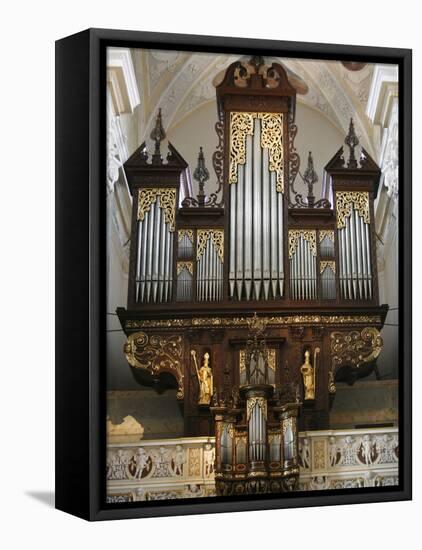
<point>181,82</point>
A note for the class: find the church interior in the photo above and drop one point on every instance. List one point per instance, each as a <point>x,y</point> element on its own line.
<point>252,275</point>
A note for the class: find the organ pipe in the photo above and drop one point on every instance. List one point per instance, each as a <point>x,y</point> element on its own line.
<point>355,271</point>
<point>256,226</point>
<point>154,257</point>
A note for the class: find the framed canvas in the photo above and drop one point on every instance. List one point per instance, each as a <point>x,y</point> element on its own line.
<point>233,274</point>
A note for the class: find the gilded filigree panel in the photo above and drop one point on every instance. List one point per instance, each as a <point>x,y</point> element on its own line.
<point>346,200</point>
<point>307,235</point>
<point>217,238</point>
<point>148,196</point>
<point>242,125</point>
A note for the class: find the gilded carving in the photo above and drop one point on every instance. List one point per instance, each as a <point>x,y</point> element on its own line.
<point>344,202</point>
<point>186,233</point>
<point>217,237</point>
<point>326,233</point>
<point>260,401</point>
<point>156,354</point>
<point>242,125</point>
<point>355,348</point>
<point>308,235</point>
<point>184,265</point>
<point>243,321</point>
<point>167,196</point>
<point>271,138</point>
<point>327,263</point>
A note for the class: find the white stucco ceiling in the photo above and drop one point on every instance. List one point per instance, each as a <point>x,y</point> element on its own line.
<point>180,82</point>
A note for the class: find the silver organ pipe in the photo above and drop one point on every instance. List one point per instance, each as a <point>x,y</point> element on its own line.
<point>355,272</point>
<point>184,281</point>
<point>303,275</point>
<point>328,280</point>
<point>256,226</point>
<point>155,256</point>
<point>257,434</point>
<point>209,282</point>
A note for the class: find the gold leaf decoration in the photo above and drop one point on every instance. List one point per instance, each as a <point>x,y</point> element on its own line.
<point>327,263</point>
<point>217,237</point>
<point>326,233</point>
<point>260,401</point>
<point>148,196</point>
<point>186,233</point>
<point>156,354</point>
<point>184,265</point>
<point>308,235</point>
<point>345,200</point>
<point>242,125</point>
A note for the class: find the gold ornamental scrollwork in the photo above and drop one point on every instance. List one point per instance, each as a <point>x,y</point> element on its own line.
<point>329,233</point>
<point>353,349</point>
<point>242,125</point>
<point>345,200</point>
<point>243,321</point>
<point>156,354</point>
<point>307,235</point>
<point>271,138</point>
<point>148,196</point>
<point>327,263</point>
<point>217,238</point>
<point>260,401</point>
<point>184,265</point>
<point>186,233</point>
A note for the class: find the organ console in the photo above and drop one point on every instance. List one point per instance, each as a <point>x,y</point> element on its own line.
<point>255,277</point>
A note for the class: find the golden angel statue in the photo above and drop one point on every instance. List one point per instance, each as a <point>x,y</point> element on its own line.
<point>205,379</point>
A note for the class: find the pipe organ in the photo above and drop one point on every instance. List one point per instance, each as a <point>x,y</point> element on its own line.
<point>273,294</point>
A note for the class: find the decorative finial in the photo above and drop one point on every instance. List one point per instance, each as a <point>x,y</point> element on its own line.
<point>352,141</point>
<point>257,61</point>
<point>310,177</point>
<point>201,175</point>
<point>157,135</point>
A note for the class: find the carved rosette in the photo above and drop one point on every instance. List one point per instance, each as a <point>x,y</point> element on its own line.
<point>156,354</point>
<point>345,200</point>
<point>242,125</point>
<point>309,236</point>
<point>353,349</point>
<point>167,196</point>
<point>217,237</point>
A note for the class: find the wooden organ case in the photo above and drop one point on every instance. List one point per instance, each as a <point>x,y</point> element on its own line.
<point>253,300</point>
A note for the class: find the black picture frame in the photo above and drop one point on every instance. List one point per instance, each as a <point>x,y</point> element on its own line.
<point>80,272</point>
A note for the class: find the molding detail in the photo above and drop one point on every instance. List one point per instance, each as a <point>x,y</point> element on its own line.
<point>243,321</point>
<point>121,80</point>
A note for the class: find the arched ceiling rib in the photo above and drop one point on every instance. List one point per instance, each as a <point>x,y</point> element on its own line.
<point>181,82</point>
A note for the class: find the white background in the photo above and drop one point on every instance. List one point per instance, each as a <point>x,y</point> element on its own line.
<point>28,32</point>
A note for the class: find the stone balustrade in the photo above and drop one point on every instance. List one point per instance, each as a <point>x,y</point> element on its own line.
<point>184,467</point>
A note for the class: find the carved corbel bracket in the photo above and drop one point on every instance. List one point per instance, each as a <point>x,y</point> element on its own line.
<point>156,354</point>
<point>353,349</point>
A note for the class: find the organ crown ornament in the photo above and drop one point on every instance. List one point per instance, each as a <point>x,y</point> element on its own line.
<point>157,135</point>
